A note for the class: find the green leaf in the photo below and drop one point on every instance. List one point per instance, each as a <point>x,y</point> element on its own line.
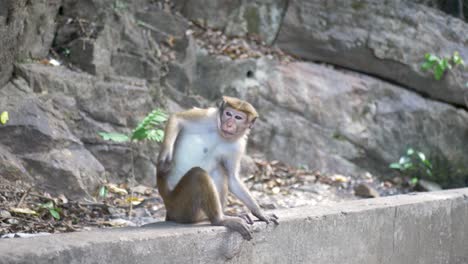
<point>407,165</point>
<point>414,181</point>
<point>159,118</point>
<point>49,205</point>
<point>409,151</point>
<point>116,137</point>
<point>445,64</point>
<point>428,164</point>
<point>421,156</point>
<point>438,71</point>
<point>152,135</point>
<point>457,60</point>
<point>404,159</point>
<point>427,65</point>
<point>103,192</point>
<point>4,117</point>
<point>431,58</point>
<point>395,166</point>
<point>160,134</point>
<point>145,129</point>
<point>54,213</point>
<point>139,134</point>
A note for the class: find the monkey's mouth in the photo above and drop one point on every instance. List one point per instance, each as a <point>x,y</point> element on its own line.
<point>227,133</point>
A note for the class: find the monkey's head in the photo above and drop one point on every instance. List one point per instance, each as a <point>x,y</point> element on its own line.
<point>236,117</point>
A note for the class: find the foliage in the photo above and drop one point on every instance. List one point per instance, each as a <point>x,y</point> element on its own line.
<point>449,173</point>
<point>437,168</point>
<point>440,65</point>
<point>103,192</point>
<point>4,117</point>
<point>149,128</point>
<point>116,137</point>
<point>414,164</point>
<point>53,210</point>
<point>119,5</point>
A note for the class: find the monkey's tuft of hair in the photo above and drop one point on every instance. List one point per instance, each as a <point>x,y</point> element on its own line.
<point>241,105</point>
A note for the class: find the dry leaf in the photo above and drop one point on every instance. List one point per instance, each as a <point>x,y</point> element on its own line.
<point>171,41</point>
<point>276,190</point>
<point>114,189</point>
<point>119,223</point>
<point>339,178</point>
<point>23,211</point>
<point>134,200</point>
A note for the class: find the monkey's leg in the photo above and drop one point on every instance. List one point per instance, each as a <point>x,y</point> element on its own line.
<point>195,197</point>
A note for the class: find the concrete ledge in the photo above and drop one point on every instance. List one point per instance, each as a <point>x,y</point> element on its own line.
<point>420,228</point>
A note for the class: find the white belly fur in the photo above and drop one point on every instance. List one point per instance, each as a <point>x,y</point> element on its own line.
<point>203,150</point>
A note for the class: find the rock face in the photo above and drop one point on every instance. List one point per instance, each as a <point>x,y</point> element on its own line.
<point>124,59</point>
<point>338,121</point>
<point>237,18</point>
<point>386,39</point>
<point>27,31</point>
<point>50,154</point>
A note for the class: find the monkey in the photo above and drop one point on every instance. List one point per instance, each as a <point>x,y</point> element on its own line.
<point>200,160</point>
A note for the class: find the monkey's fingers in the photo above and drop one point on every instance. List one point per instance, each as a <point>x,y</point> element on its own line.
<point>274,219</point>
<point>238,226</point>
<point>247,218</point>
<point>245,233</point>
<point>163,166</point>
<point>270,218</point>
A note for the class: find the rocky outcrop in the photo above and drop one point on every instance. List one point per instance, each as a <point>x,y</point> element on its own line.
<point>385,39</point>
<point>237,18</point>
<point>50,154</point>
<point>28,29</point>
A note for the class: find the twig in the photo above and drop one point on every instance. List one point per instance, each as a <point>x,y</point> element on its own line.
<point>131,184</point>
<point>101,205</point>
<point>42,197</point>
<point>23,197</point>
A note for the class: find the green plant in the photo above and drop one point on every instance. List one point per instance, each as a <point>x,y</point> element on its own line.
<point>4,117</point>
<point>119,5</point>
<point>440,65</point>
<point>414,164</point>
<point>52,209</point>
<point>149,128</point>
<point>103,191</point>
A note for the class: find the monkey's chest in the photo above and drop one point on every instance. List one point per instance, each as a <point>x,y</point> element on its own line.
<point>199,150</point>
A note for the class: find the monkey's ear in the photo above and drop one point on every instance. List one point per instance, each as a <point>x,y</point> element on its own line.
<point>252,122</point>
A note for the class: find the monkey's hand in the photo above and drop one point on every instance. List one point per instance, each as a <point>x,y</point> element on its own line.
<point>268,218</point>
<point>165,159</point>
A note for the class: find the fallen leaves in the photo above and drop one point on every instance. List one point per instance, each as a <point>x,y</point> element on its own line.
<point>4,117</point>
<point>26,211</point>
<point>215,42</point>
<point>273,184</point>
<point>113,188</point>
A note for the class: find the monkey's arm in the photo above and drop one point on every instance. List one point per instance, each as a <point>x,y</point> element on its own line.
<point>174,125</point>
<point>241,192</point>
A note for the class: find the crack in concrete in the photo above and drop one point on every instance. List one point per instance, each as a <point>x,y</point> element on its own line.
<point>394,231</point>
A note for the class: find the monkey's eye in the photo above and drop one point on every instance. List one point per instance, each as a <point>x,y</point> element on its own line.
<point>228,114</point>
<point>238,117</point>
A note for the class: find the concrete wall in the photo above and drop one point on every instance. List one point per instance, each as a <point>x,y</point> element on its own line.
<point>420,228</point>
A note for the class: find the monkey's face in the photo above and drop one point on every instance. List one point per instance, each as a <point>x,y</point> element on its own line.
<point>233,123</point>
